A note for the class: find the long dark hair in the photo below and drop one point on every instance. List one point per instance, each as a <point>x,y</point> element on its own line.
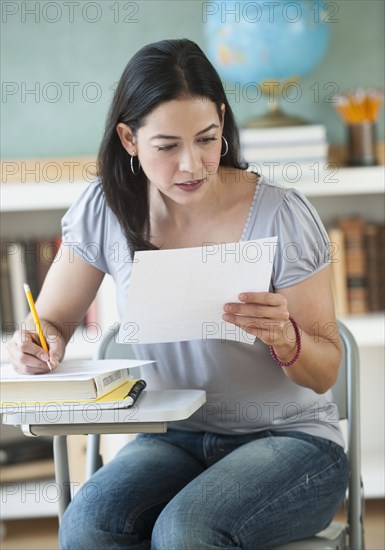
<point>162,71</point>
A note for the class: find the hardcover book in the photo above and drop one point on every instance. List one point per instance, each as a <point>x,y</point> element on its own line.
<point>73,380</point>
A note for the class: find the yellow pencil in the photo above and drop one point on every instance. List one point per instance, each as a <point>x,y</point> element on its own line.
<point>359,106</point>
<point>39,330</point>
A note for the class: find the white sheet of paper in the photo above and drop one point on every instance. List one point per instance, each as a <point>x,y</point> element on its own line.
<point>179,294</point>
<point>72,369</point>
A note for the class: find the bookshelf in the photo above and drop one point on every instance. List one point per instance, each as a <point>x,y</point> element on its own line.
<point>58,196</point>
<point>36,208</point>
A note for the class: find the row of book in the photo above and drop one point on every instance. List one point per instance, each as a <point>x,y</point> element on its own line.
<point>23,261</point>
<point>358,265</point>
<point>282,147</point>
<point>26,261</point>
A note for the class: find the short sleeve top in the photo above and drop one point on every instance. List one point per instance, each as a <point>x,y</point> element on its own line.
<point>246,391</point>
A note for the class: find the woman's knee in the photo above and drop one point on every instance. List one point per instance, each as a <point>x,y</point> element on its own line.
<point>187,524</point>
<point>176,530</point>
<point>80,527</point>
<point>92,514</point>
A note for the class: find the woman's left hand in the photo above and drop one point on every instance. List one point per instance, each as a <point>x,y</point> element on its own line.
<point>310,302</point>
<point>265,315</point>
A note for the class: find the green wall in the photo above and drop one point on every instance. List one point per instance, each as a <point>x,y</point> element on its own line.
<point>70,55</point>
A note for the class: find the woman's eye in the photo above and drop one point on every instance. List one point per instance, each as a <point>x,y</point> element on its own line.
<point>165,147</point>
<point>208,139</point>
<point>203,140</point>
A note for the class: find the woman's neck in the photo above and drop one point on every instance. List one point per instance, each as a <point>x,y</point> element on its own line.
<point>165,209</point>
<point>220,215</point>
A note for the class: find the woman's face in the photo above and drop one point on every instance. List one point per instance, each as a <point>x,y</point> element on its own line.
<point>179,147</point>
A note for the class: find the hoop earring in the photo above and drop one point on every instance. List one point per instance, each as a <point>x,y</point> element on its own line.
<point>226,147</point>
<point>132,166</point>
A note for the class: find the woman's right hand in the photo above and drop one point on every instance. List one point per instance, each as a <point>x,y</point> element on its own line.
<point>28,357</point>
<point>60,313</point>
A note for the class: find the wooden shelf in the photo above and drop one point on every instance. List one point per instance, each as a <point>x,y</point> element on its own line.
<point>44,184</point>
<point>338,154</point>
<point>28,190</point>
<point>60,195</point>
<point>37,469</point>
<point>22,197</point>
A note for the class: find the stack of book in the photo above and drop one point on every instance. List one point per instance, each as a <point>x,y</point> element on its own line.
<point>358,265</point>
<point>287,153</point>
<point>105,383</point>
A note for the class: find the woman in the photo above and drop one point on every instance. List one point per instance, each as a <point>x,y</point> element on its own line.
<point>262,463</point>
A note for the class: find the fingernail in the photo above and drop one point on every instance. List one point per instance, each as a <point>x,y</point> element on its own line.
<point>54,363</point>
<point>44,357</point>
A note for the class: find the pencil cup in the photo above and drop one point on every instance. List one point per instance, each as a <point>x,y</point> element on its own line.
<point>362,144</point>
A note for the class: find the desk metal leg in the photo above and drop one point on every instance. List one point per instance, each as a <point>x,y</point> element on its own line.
<point>62,475</point>
<point>94,459</point>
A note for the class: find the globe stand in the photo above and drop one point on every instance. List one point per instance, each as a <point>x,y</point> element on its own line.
<point>275,117</point>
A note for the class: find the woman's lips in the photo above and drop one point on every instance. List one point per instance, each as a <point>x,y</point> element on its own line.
<point>190,186</point>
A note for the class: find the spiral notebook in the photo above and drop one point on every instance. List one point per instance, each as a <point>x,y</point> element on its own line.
<point>120,398</point>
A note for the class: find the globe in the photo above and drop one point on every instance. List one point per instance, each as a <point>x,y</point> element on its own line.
<point>266,41</point>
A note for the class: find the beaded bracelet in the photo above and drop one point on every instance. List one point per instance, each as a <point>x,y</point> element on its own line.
<point>297,353</point>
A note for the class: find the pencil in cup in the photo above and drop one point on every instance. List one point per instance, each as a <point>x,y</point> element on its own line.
<point>35,316</point>
<point>359,105</point>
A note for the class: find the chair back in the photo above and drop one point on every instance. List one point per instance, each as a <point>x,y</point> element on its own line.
<point>110,349</point>
<point>340,388</point>
<point>349,406</point>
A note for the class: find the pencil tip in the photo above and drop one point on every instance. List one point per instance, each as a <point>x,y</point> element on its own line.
<point>26,287</point>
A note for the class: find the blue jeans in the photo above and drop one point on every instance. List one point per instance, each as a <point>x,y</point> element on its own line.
<point>203,491</point>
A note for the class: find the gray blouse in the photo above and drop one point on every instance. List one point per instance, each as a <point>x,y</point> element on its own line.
<point>246,390</point>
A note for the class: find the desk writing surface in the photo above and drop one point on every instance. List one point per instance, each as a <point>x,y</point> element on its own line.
<point>152,406</point>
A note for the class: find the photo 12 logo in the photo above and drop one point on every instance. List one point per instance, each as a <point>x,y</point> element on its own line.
<point>253,12</point>
<point>70,12</point>
<point>54,92</point>
<point>48,172</point>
